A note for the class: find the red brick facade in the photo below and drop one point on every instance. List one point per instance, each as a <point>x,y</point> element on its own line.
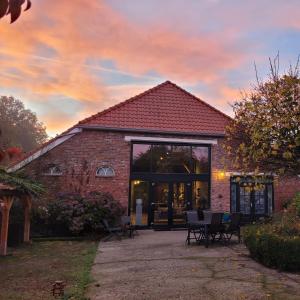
<point>164,111</point>
<point>80,156</point>
<point>284,190</point>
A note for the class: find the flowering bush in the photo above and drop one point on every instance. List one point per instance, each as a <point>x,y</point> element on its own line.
<point>74,214</point>
<point>277,244</point>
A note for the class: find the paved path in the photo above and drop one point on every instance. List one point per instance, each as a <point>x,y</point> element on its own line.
<point>158,265</point>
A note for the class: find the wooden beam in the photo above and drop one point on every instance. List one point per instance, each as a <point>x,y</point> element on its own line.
<point>27,209</point>
<point>5,206</point>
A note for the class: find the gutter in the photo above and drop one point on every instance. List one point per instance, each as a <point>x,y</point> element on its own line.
<point>152,131</point>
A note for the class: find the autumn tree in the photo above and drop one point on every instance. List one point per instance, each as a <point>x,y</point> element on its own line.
<point>19,127</point>
<point>13,8</point>
<point>264,136</point>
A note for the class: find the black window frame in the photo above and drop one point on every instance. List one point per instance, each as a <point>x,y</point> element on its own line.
<point>170,177</point>
<point>268,182</point>
<point>208,146</point>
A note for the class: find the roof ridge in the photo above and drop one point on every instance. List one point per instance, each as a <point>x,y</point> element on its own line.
<point>199,99</point>
<point>122,103</point>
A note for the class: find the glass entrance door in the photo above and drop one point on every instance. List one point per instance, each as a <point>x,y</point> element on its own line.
<point>170,200</point>
<point>253,202</point>
<point>180,202</point>
<point>160,203</point>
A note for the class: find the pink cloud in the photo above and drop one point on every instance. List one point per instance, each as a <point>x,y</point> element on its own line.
<point>79,31</point>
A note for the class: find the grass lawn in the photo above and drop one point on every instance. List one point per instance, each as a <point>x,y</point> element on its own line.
<point>31,270</point>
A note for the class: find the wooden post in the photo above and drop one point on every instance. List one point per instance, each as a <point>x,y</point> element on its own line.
<point>5,206</point>
<point>27,209</point>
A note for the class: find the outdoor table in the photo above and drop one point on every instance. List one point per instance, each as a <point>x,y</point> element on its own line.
<point>205,225</point>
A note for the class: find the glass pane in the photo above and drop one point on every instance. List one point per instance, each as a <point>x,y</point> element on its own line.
<point>171,159</point>
<point>200,160</point>
<point>270,199</point>
<point>245,197</point>
<point>139,202</point>
<point>259,201</point>
<point>233,197</point>
<point>141,158</point>
<point>179,203</point>
<point>200,195</point>
<point>160,201</point>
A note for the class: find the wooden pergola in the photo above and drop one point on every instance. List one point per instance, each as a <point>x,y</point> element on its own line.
<point>8,194</point>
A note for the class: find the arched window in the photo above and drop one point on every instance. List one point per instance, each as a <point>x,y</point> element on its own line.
<point>105,171</point>
<point>53,170</point>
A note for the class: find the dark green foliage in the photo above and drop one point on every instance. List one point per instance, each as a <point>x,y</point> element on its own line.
<point>75,214</point>
<point>297,204</point>
<point>21,182</point>
<point>277,244</point>
<point>272,249</point>
<point>19,127</point>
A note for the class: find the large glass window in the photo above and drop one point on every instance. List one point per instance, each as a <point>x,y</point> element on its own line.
<point>166,158</point>
<point>171,159</point>
<point>270,199</point>
<point>200,160</point>
<point>139,202</point>
<point>233,189</point>
<point>200,195</point>
<point>141,158</point>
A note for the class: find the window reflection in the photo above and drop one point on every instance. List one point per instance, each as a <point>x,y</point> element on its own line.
<point>200,160</point>
<point>166,158</point>
<point>200,195</point>
<point>141,158</point>
<point>139,202</point>
<point>171,159</point>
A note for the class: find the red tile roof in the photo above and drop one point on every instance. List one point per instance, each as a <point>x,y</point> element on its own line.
<point>165,107</point>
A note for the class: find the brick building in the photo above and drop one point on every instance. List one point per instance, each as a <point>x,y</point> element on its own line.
<point>160,153</point>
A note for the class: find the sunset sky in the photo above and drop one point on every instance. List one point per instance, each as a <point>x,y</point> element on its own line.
<point>69,59</point>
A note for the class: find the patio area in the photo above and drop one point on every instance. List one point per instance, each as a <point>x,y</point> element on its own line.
<point>159,265</point>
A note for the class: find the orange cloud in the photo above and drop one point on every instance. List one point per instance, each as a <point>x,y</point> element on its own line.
<point>55,49</point>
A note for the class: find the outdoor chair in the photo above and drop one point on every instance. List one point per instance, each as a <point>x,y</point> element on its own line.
<point>111,231</point>
<point>207,215</point>
<point>127,227</point>
<point>193,225</point>
<point>233,228</point>
<point>216,227</point>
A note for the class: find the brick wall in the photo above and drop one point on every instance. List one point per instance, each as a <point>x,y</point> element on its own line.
<point>285,189</point>
<point>220,181</point>
<point>80,156</point>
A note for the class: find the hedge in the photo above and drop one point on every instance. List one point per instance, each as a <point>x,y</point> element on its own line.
<point>273,249</point>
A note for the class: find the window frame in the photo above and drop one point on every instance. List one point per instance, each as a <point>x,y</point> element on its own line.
<point>105,173</point>
<point>152,172</point>
<point>47,171</point>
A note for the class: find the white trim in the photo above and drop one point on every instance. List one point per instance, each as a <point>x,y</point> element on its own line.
<point>59,140</point>
<point>170,140</point>
<point>105,169</point>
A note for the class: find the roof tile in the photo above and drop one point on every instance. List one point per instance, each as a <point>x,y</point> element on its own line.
<point>165,107</point>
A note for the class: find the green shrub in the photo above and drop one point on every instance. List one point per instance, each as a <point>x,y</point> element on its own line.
<point>297,203</point>
<point>75,214</point>
<point>277,243</point>
<point>271,248</point>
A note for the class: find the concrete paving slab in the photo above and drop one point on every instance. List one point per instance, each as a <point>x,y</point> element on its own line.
<point>159,265</point>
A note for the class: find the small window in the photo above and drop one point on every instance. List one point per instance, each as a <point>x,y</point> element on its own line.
<point>53,170</point>
<point>105,172</point>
